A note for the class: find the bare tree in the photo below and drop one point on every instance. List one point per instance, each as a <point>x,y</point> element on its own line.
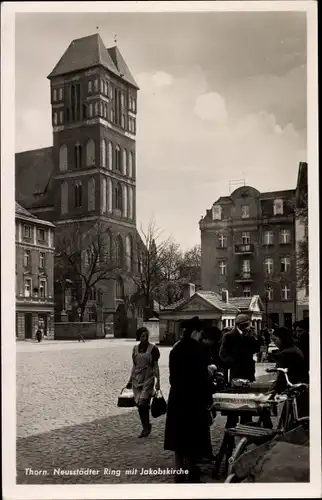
<point>192,257</point>
<point>87,258</point>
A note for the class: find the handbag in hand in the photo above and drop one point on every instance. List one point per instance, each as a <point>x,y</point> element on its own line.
<point>159,405</point>
<point>126,399</point>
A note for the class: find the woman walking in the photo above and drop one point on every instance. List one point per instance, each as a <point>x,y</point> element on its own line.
<point>145,374</point>
<point>187,423</point>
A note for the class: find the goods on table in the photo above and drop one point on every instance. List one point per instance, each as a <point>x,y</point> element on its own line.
<point>227,401</point>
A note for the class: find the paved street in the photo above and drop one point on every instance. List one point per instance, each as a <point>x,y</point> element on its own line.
<point>67,416</point>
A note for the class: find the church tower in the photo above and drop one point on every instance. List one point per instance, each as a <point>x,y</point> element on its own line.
<point>94,109</point>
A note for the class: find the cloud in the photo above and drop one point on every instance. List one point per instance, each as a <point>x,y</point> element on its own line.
<point>211,107</point>
<point>162,79</point>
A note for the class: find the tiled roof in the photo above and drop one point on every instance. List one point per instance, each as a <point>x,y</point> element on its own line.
<point>274,194</point>
<point>241,302</point>
<point>33,177</point>
<point>19,210</point>
<point>215,300</point>
<point>90,51</point>
<point>173,306</point>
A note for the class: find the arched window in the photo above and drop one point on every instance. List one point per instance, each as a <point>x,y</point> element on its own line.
<point>124,201</point>
<point>90,86</point>
<point>128,252</point>
<point>101,109</point>
<point>103,153</point>
<point>130,204</point>
<point>118,158</point>
<point>90,153</point>
<point>63,159</point>
<point>55,95</point>
<point>91,194</point>
<point>103,195</point>
<point>102,86</point>
<point>78,156</point>
<point>124,163</point>
<point>112,115</point>
<point>64,197</point>
<point>55,119</point>
<point>105,110</point>
<point>130,164</point>
<point>109,195</point>
<point>96,109</point>
<point>110,155</point>
<point>119,295</point>
<point>117,202</point>
<point>107,246</point>
<point>105,88</point>
<point>119,252</point>
<point>78,194</point>
<point>90,110</point>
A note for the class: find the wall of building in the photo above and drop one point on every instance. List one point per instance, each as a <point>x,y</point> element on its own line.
<point>72,331</point>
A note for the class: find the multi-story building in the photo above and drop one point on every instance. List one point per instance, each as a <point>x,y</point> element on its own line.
<point>34,275</point>
<point>248,248</point>
<point>301,232</point>
<point>89,174</point>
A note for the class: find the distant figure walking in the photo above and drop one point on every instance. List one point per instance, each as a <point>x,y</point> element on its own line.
<point>80,337</point>
<point>145,374</point>
<point>39,335</point>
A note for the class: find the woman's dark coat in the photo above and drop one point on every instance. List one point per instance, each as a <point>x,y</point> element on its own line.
<point>187,428</point>
<point>292,359</point>
<point>237,353</point>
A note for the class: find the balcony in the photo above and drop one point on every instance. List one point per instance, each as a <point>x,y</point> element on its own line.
<point>244,277</point>
<point>244,249</point>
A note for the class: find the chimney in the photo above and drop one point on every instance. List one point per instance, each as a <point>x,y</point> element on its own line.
<point>225,296</point>
<point>189,290</point>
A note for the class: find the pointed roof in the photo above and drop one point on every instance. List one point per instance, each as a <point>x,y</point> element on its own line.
<point>19,210</point>
<point>90,51</point>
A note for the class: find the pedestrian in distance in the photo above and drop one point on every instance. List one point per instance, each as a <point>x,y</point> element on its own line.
<point>187,423</point>
<point>38,334</point>
<point>80,337</point>
<point>145,377</point>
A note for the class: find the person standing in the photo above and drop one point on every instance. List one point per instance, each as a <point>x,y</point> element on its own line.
<point>38,334</point>
<point>145,375</point>
<point>187,423</point>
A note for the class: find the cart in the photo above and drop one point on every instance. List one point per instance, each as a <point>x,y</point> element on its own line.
<point>250,466</point>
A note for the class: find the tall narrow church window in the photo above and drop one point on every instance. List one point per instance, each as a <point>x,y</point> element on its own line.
<point>130,203</point>
<point>91,194</point>
<point>105,110</point>
<point>102,86</point>
<point>78,194</point>
<point>112,114</point>
<point>103,153</point>
<point>78,156</point>
<point>124,201</point>
<point>55,119</point>
<point>130,164</point>
<point>96,85</point>
<point>61,117</point>
<point>128,252</point>
<point>110,155</point>
<point>101,109</point>
<point>117,202</point>
<point>106,88</point>
<point>96,109</point>
<point>64,197</point>
<point>90,86</point>
<point>90,153</point>
<point>103,195</point>
<point>63,160</point>
<point>61,94</point>
<point>75,98</point>
<point>109,192</point>
<point>119,289</point>
<point>124,163</point>
<point>119,252</point>
<point>118,158</point>
<point>90,110</point>
<point>55,95</point>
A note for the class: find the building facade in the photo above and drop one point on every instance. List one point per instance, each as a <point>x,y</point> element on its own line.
<point>34,275</point>
<point>89,174</point>
<point>301,233</point>
<point>248,248</point>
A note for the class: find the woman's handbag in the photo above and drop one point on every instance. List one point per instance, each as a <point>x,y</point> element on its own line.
<point>159,405</point>
<point>126,399</point>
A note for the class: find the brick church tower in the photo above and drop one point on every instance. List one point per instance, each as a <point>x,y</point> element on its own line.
<point>91,168</point>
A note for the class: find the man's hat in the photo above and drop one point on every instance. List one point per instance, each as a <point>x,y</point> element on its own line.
<point>242,319</point>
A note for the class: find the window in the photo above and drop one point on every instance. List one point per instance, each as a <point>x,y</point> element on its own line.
<point>106,88</point>
<point>118,158</point>
<point>103,195</point>
<point>246,266</point>
<point>222,268</point>
<point>91,194</point>
<point>222,241</point>
<point>61,117</point>
<point>78,194</point>
<point>122,100</point>
<point>90,110</point>
<point>42,258</point>
<point>286,292</point>
<point>278,207</point>
<point>55,118</point>
<point>118,196</point>
<point>102,86</point>
<point>27,258</point>
<point>110,155</point>
<point>78,156</point>
<point>101,109</point>
<point>27,287</point>
<point>268,265</point>
<point>64,197</point>
<point>245,238</point>
<point>109,192</point>
<point>112,118</point>
<point>124,202</point>
<point>42,288</point>
<point>285,236</point>
<point>27,232</point>
<point>61,93</point>
<point>96,85</point>
<point>110,92</point>
<point>269,293</point>
<point>130,205</point>
<point>134,105</point>
<point>119,252</point>
<point>105,110</point>
<point>103,153</point>
<point>90,86</point>
<point>268,238</point>
<point>55,95</point>
<point>75,100</point>
<point>123,121</point>
<point>119,289</point>
<point>245,211</point>
<point>96,109</point>
<point>128,252</point>
<point>92,293</point>
<point>216,212</point>
<point>41,234</point>
<point>285,264</point>
<point>90,153</point>
<point>124,162</point>
<point>247,291</point>
<point>130,164</point>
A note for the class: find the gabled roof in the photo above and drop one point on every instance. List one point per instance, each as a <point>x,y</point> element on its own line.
<point>211,299</point>
<point>19,210</point>
<point>34,170</point>
<point>90,51</point>
<point>247,303</point>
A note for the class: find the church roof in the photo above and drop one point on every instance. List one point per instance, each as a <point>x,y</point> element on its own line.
<point>33,177</point>
<point>90,51</point>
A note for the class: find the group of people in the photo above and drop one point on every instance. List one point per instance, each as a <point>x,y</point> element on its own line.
<point>187,430</point>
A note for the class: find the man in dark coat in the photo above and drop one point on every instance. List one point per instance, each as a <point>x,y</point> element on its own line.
<point>187,428</point>
<point>237,353</point>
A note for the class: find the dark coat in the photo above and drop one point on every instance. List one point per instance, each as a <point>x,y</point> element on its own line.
<point>187,429</point>
<point>237,353</point>
<point>292,359</point>
<point>303,343</point>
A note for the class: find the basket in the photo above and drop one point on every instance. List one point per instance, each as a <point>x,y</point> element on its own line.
<point>126,399</point>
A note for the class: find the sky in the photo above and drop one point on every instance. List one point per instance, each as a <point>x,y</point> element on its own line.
<point>222,98</point>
